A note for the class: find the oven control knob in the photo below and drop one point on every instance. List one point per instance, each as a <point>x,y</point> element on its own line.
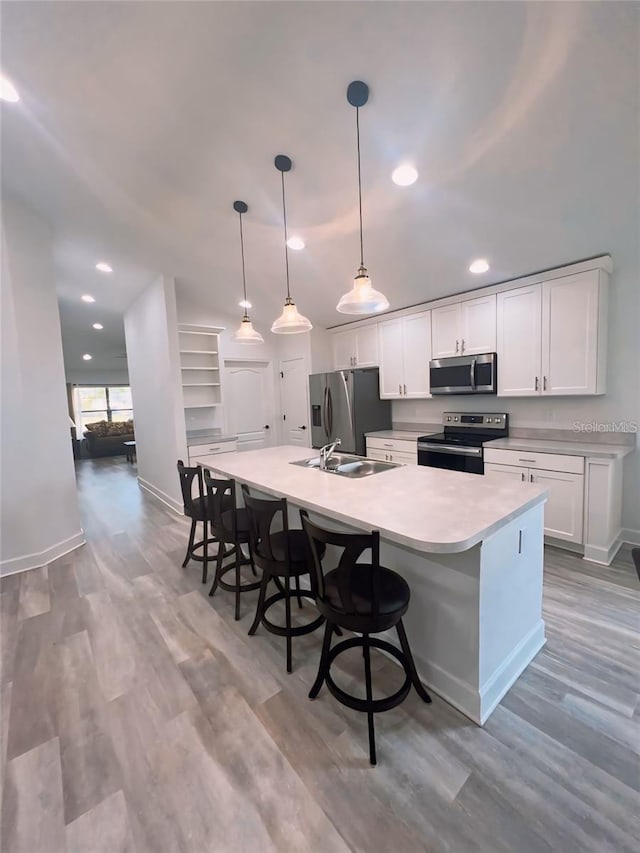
<point>456,418</point>
<point>489,420</point>
<point>449,417</point>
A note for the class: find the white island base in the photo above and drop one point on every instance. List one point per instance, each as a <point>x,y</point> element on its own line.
<point>475,617</point>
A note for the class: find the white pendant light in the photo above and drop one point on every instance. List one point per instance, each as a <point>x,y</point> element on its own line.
<point>362,298</point>
<point>245,333</point>
<point>290,322</point>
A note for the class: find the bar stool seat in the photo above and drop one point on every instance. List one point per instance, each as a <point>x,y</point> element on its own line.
<point>282,555</point>
<point>366,598</point>
<point>230,526</point>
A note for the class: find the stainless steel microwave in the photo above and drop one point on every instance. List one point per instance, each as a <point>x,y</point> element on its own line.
<point>465,374</point>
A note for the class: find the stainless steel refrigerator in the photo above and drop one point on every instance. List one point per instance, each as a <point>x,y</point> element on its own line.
<point>345,405</point>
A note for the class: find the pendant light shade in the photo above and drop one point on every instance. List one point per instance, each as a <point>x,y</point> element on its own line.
<point>362,298</point>
<point>290,322</point>
<point>245,333</point>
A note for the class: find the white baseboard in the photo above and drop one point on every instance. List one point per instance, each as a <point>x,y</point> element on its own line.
<point>162,496</point>
<point>601,555</point>
<point>630,537</point>
<point>42,558</point>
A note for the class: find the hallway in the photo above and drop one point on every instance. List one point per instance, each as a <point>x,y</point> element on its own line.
<point>138,716</point>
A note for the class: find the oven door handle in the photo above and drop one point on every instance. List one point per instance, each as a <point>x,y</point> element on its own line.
<point>450,448</point>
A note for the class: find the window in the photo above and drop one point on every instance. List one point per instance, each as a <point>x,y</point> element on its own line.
<point>94,403</point>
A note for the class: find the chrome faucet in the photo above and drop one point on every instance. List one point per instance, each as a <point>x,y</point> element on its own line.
<point>326,451</point>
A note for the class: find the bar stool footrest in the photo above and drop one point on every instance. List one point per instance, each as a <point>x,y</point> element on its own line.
<point>231,587</point>
<point>200,557</point>
<point>355,702</point>
<point>282,630</point>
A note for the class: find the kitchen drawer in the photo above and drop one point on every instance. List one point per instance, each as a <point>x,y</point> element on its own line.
<point>213,447</point>
<point>541,461</point>
<point>401,445</point>
<point>392,456</point>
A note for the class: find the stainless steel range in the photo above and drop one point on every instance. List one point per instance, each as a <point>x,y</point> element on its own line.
<point>460,446</point>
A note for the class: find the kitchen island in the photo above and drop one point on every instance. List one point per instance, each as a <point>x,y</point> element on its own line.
<point>470,548</point>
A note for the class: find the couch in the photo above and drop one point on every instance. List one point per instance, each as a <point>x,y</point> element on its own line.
<point>106,438</point>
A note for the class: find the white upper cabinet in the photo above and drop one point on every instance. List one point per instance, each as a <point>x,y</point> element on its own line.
<point>405,346</point>
<point>464,328</point>
<point>571,307</point>
<point>356,348</point>
<point>519,315</point>
<point>552,337</point>
<point>445,331</point>
<point>478,325</point>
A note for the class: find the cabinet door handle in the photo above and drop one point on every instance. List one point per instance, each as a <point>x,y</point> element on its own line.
<point>523,476</point>
<point>400,388</point>
<point>462,347</point>
<point>405,390</point>
<point>457,346</point>
<point>537,383</point>
<point>531,478</point>
<point>544,383</point>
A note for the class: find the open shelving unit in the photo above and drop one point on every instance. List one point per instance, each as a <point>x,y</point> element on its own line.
<point>200,366</point>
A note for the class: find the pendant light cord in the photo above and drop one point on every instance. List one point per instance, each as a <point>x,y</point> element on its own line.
<point>244,279</point>
<point>286,252</point>
<point>359,183</point>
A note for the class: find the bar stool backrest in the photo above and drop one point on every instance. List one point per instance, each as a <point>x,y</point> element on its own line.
<point>353,545</point>
<point>221,497</point>
<point>187,475</point>
<point>261,516</point>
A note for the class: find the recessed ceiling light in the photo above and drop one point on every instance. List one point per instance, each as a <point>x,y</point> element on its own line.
<point>296,243</point>
<point>244,303</point>
<point>479,265</point>
<point>98,326</point>
<point>8,90</point>
<point>87,298</point>
<point>86,356</point>
<point>103,266</point>
<point>404,175</point>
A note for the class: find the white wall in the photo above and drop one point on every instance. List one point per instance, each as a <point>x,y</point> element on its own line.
<point>620,403</point>
<point>40,519</point>
<point>150,326</point>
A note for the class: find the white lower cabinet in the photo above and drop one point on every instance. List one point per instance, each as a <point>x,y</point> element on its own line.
<point>393,450</point>
<point>564,510</point>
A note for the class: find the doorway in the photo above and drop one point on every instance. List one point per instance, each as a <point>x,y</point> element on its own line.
<point>294,400</point>
<point>248,402</point>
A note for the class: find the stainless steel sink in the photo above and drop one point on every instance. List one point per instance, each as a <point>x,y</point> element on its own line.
<point>362,467</point>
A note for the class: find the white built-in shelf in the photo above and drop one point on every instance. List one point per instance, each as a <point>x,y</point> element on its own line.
<point>199,353</point>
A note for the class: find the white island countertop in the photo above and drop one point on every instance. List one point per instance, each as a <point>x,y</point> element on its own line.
<point>427,509</point>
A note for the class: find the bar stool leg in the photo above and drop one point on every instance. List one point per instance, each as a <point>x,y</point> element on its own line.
<point>367,675</point>
<point>260,606</point>
<point>287,607</point>
<point>324,659</point>
<point>205,552</point>
<point>238,554</point>
<point>192,536</point>
<point>219,560</point>
<point>298,591</point>
<point>413,672</point>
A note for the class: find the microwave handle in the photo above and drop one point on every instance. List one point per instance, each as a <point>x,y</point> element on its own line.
<point>472,373</point>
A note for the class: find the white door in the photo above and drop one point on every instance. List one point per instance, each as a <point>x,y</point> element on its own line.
<point>445,331</point>
<point>511,472</point>
<point>416,354</point>
<point>563,511</point>
<point>519,341</point>
<point>366,346</point>
<point>391,372</point>
<point>478,325</point>
<point>344,350</point>
<point>570,334</point>
<point>294,400</point>
<point>248,395</point>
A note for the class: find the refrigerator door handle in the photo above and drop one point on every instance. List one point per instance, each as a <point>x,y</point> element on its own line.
<point>343,376</point>
<point>325,410</point>
<point>330,412</point>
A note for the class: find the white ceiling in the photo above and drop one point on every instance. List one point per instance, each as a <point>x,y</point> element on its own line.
<point>140,123</point>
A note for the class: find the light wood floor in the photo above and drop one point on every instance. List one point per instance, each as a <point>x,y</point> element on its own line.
<point>138,716</point>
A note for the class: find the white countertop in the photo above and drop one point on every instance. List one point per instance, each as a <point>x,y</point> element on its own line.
<point>427,509</point>
<point>568,448</point>
<point>401,434</point>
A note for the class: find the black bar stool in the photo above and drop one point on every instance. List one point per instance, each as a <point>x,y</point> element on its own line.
<point>281,555</point>
<point>196,510</point>
<point>230,526</point>
<point>365,598</point>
